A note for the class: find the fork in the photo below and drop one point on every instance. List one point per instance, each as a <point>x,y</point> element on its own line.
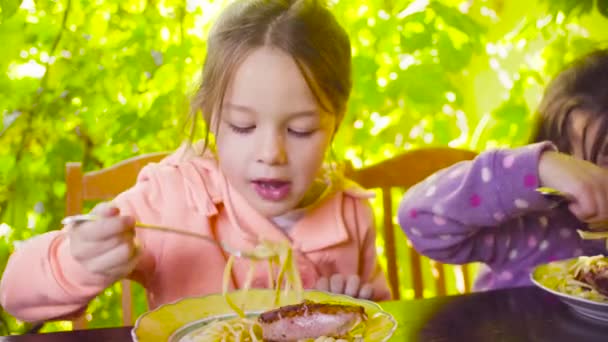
<point>562,196</point>
<point>555,194</point>
<point>254,254</point>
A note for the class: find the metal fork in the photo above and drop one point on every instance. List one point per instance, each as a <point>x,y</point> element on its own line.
<point>562,196</point>
<point>555,194</point>
<point>255,254</point>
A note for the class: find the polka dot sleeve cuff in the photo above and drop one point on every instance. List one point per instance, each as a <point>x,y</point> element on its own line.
<point>517,173</point>
<point>448,215</point>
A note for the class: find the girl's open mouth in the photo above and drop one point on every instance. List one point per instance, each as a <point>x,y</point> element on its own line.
<point>272,190</point>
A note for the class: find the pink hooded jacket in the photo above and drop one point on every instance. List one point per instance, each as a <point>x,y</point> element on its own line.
<point>42,281</point>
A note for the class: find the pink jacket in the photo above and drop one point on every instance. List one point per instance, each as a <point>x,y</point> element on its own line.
<point>42,281</point>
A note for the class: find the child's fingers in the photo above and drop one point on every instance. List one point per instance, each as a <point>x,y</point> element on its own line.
<point>115,258</point>
<point>85,250</point>
<point>578,210</point>
<point>366,292</point>
<point>591,199</point>
<point>106,228</point>
<point>322,284</point>
<point>584,206</point>
<point>124,269</point>
<point>352,285</point>
<point>602,205</point>
<point>336,283</point>
<point>105,209</point>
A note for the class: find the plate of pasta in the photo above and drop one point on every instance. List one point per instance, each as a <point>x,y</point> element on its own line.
<point>581,283</point>
<point>192,319</point>
<point>284,312</point>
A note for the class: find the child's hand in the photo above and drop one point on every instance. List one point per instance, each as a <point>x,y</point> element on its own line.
<point>350,286</point>
<point>106,246</point>
<point>585,181</point>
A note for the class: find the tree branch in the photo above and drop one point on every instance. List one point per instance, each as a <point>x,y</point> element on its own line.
<point>43,84</point>
<point>25,135</point>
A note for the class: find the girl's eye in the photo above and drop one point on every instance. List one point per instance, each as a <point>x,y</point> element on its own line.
<point>300,134</point>
<point>242,130</point>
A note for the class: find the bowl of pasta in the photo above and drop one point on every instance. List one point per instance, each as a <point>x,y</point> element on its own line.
<point>581,283</point>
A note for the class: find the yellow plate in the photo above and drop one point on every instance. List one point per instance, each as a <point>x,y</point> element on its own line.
<point>548,276</point>
<point>174,322</point>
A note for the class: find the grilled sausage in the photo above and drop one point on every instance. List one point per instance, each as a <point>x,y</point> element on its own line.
<point>309,320</point>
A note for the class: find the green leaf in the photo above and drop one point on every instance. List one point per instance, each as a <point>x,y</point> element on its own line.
<point>414,41</point>
<point>165,78</point>
<point>458,20</point>
<point>9,8</point>
<point>512,111</point>
<point>569,7</point>
<point>424,85</point>
<point>602,7</point>
<point>452,58</point>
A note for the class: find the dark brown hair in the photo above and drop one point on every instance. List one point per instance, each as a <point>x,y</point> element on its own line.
<point>582,85</point>
<point>304,29</point>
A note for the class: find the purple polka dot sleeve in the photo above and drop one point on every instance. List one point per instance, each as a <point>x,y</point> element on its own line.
<point>487,210</point>
<point>474,210</point>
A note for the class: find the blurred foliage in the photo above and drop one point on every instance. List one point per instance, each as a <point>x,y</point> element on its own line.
<point>99,81</point>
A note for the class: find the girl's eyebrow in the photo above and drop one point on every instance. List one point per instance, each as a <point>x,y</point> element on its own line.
<point>245,109</point>
<point>239,108</point>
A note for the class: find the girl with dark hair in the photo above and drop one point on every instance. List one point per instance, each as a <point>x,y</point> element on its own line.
<point>488,210</point>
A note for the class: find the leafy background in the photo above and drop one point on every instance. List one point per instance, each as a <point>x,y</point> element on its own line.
<point>100,81</point>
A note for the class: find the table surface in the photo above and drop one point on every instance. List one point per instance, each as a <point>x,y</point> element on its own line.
<point>519,314</point>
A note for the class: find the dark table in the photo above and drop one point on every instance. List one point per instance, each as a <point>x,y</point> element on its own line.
<point>521,314</point>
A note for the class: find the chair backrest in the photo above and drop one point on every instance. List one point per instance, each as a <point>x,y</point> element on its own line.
<point>401,171</point>
<point>103,185</point>
<point>404,171</point>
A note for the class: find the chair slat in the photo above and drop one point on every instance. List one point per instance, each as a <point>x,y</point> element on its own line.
<point>403,171</point>
<point>73,206</point>
<point>416,271</point>
<point>389,243</point>
<point>126,301</point>
<point>464,269</point>
<point>73,196</point>
<point>440,285</point>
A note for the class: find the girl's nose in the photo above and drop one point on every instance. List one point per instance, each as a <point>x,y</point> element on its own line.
<point>272,150</point>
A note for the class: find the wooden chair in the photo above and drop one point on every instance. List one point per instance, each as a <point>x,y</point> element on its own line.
<point>403,171</point>
<point>104,185</point>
